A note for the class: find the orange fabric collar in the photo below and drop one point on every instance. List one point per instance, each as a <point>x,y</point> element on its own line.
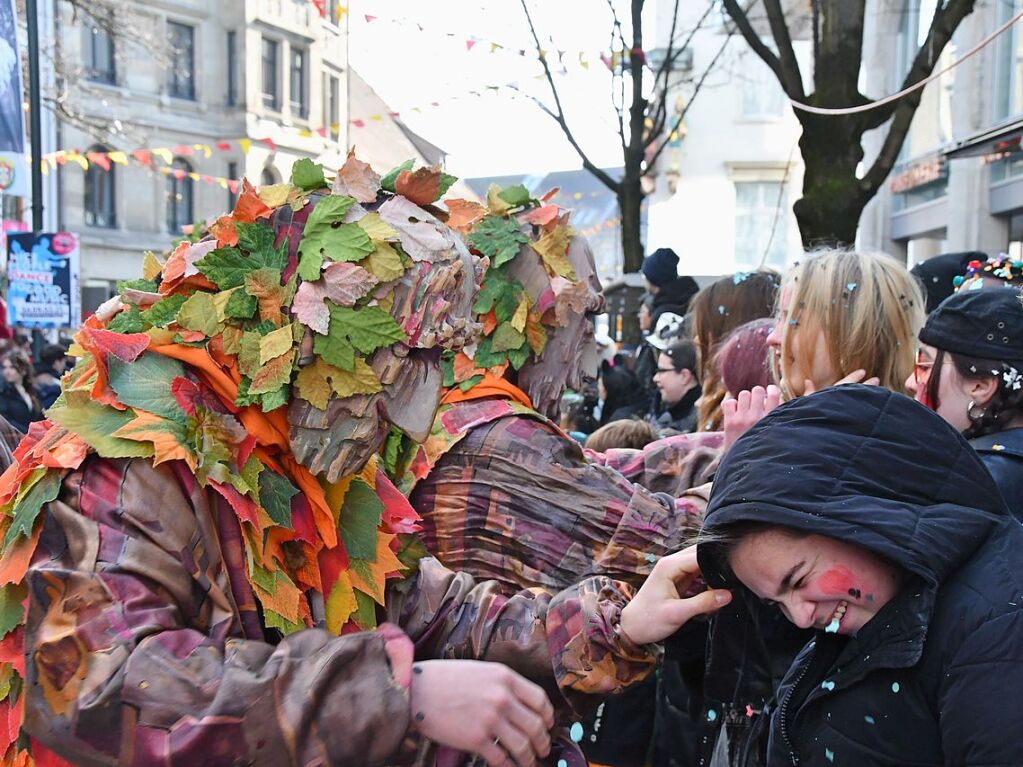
<point>490,386</point>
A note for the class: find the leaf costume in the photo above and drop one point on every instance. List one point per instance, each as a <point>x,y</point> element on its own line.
<point>197,541</point>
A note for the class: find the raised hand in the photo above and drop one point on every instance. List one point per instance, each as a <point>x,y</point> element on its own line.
<point>740,413</point>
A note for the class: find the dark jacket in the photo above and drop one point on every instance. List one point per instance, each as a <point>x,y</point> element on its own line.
<point>14,409</point>
<point>932,679</point>
<point>1002,454</point>
<point>681,416</point>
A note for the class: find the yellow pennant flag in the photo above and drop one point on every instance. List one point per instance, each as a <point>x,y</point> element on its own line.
<point>245,144</point>
<point>193,176</point>
<point>119,157</point>
<point>164,154</point>
<point>206,149</point>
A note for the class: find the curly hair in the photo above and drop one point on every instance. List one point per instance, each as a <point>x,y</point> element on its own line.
<point>23,364</point>
<point>1005,405</point>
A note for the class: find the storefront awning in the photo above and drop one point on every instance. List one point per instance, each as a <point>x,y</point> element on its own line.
<point>1000,139</point>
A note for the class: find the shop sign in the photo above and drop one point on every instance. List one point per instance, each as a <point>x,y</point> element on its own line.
<point>919,174</point>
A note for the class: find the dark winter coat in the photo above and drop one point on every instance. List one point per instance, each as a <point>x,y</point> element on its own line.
<point>1002,454</point>
<point>15,410</point>
<point>934,678</point>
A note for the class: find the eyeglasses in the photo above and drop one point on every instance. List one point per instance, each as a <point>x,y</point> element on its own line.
<point>665,370</point>
<point>922,368</point>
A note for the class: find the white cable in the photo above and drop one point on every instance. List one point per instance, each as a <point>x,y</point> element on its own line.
<point>896,96</point>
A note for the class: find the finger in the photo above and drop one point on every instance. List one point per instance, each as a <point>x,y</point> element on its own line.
<point>728,407</point>
<point>874,381</point>
<point>743,400</point>
<point>854,377</point>
<point>516,743</point>
<point>773,398</point>
<point>534,698</point>
<point>684,610</point>
<point>679,565</point>
<point>757,397</point>
<point>808,387</point>
<point>533,727</point>
<point>494,755</point>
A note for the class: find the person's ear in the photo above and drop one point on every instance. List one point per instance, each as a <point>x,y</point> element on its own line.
<point>981,390</point>
<point>688,377</point>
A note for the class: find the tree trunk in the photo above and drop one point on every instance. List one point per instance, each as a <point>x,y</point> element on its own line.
<point>833,199</point>
<point>629,203</point>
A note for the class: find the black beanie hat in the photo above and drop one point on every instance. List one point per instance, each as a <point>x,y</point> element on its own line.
<point>661,267</point>
<point>985,323</point>
<point>937,274</point>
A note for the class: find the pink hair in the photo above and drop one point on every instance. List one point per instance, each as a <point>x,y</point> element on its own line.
<point>743,360</point>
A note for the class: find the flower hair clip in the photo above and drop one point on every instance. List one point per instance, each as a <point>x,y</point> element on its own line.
<point>1013,379</point>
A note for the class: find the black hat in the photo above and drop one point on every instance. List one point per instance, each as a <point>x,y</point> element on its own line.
<point>661,266</point>
<point>984,323</point>
<point>937,274</point>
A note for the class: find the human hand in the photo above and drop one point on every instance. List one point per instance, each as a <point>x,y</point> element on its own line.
<point>740,413</point>
<point>657,611</point>
<point>483,708</point>
<point>857,376</point>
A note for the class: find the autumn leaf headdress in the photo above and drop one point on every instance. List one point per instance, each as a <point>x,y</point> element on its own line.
<point>308,299</point>
<point>516,318</point>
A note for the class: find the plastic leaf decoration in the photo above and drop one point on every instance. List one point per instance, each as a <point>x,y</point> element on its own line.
<point>249,207</point>
<point>360,517</point>
<point>569,298</point>
<point>376,228</point>
<point>553,249</point>
<point>168,437</point>
<point>384,263</point>
<point>341,283</point>
<point>421,186</point>
<point>199,313</point>
<point>326,236</point>
<point>275,494</point>
<point>146,383</point>
<point>307,175</point>
<point>357,179</point>
<point>498,238</point>
<point>124,346</point>
<point>420,237</point>
<point>27,507</point>
<point>387,182</point>
<point>463,214</point>
<point>95,423</point>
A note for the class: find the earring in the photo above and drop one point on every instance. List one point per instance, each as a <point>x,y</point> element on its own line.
<point>974,417</point>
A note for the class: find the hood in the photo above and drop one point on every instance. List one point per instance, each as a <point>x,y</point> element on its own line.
<point>863,465</point>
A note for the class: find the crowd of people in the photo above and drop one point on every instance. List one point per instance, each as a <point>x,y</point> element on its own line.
<point>334,484</point>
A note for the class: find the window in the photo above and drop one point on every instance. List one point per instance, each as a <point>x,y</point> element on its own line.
<point>180,193</point>
<point>98,49</point>
<point>271,78</point>
<point>761,224</point>
<point>932,125</point>
<point>334,11</point>
<point>299,100</point>
<point>1009,65</point>
<point>232,68</point>
<point>762,96</point>
<point>100,189</point>
<point>232,194</point>
<point>181,80</point>
<point>332,105</point>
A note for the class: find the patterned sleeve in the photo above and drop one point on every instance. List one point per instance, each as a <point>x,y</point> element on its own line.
<point>138,652</point>
<point>573,634</point>
<point>672,465</point>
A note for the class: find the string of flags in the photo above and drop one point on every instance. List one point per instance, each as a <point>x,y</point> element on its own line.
<point>583,58</point>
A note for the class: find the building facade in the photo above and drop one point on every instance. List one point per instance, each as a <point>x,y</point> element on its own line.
<point>724,188</point>
<point>959,182</point>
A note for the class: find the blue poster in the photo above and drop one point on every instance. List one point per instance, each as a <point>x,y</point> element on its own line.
<point>42,280</point>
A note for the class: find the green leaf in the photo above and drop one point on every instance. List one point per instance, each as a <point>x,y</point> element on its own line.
<point>240,306</point>
<point>519,357</point>
<point>445,183</point>
<point>165,311</point>
<point>275,399</point>
<point>360,518</point>
<point>275,494</point>
<point>199,313</point>
<point>515,196</point>
<point>485,356</point>
<point>507,338</point>
<point>305,174</point>
<point>28,507</point>
<point>276,621</point>
<point>226,267</point>
<point>388,181</point>
<point>12,613</point>
<point>365,615</point>
<point>501,294</point>
<point>79,413</point>
<point>145,286</point>
<point>265,579</point>
<point>329,211</point>
<point>348,242</point>
<point>129,321</point>
<point>258,240</point>
<point>447,368</point>
<point>468,383</point>
<point>335,350</point>
<point>499,238</point>
<point>145,383</point>
<point>367,329</point>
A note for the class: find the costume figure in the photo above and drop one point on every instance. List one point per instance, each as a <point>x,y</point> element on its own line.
<point>202,532</point>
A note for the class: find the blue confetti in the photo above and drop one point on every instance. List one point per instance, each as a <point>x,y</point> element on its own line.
<point>828,685</point>
<point>576,732</point>
<point>562,763</point>
<point>712,715</point>
<point>832,627</point>
<point>651,558</point>
<point>722,309</point>
<point>895,687</point>
<point>850,286</point>
<point>869,719</point>
<point>740,277</point>
<point>829,754</point>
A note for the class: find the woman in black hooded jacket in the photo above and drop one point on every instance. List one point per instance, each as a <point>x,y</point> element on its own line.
<point>918,656</point>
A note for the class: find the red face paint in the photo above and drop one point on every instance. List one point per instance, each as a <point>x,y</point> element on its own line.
<point>838,581</point>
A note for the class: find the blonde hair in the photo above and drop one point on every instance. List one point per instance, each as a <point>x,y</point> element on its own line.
<point>869,308</point>
<point>633,434</point>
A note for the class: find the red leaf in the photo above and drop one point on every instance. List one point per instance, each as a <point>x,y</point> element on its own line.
<point>12,650</point>
<point>242,506</point>
<point>127,347</point>
<point>398,516</point>
<point>250,208</point>
<point>333,562</point>
<point>186,393</point>
<point>550,195</point>
<point>421,187</point>
<point>540,216</point>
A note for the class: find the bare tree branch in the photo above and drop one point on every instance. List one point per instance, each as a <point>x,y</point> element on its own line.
<point>689,103</point>
<point>793,81</point>
<point>944,23</point>
<point>559,116</point>
<point>742,21</point>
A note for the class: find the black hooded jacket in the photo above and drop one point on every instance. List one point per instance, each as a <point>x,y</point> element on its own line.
<point>934,677</point>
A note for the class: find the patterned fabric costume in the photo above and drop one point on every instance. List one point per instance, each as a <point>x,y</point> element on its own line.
<point>200,534</point>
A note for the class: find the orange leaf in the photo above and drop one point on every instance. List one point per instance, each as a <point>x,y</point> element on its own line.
<point>175,267</point>
<point>463,214</point>
<point>126,347</point>
<point>421,187</point>
<point>465,368</point>
<point>223,229</point>
<point>550,194</point>
<point>165,435</point>
<point>17,557</point>
<point>489,322</point>
<point>377,571</point>
<point>284,601</point>
<point>540,216</point>
<point>250,208</point>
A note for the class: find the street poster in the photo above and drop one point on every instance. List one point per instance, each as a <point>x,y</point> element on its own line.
<point>42,280</point>
<point>14,167</point>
